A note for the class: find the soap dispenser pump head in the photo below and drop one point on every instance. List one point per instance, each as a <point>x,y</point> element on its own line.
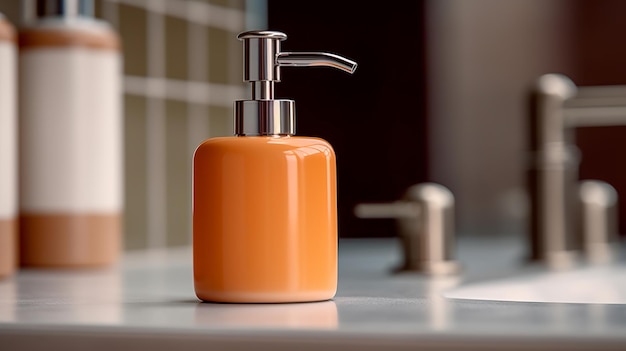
<point>262,59</point>
<point>37,9</point>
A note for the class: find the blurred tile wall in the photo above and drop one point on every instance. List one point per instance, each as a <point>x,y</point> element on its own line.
<point>182,72</point>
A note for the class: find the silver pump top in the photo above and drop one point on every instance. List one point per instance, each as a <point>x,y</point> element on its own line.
<point>34,9</point>
<point>262,60</point>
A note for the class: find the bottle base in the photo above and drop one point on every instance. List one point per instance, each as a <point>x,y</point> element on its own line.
<point>69,241</point>
<point>265,297</point>
<point>8,247</point>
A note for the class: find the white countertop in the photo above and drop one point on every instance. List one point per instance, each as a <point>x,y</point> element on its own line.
<point>148,301</point>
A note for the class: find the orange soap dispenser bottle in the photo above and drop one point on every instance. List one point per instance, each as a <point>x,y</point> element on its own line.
<point>264,200</point>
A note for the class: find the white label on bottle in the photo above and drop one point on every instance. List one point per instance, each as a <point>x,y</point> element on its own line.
<point>71,130</point>
<point>8,132</point>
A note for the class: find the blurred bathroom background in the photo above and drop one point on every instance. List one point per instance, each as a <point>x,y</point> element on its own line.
<point>439,95</point>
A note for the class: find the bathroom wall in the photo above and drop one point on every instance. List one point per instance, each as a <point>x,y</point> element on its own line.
<point>600,55</point>
<point>182,72</point>
<point>440,95</point>
<point>375,118</point>
<point>482,57</point>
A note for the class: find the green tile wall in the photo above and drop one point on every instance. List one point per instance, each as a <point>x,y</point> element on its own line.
<point>132,29</point>
<point>135,219</point>
<point>178,174</point>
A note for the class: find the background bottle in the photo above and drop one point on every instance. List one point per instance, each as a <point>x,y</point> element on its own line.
<point>264,201</point>
<point>71,137</point>
<point>8,149</point>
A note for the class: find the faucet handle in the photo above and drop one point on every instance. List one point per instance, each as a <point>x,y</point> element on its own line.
<point>599,202</point>
<point>400,209</point>
<point>425,220</point>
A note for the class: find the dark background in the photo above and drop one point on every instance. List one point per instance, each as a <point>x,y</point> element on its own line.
<point>598,42</point>
<point>375,119</point>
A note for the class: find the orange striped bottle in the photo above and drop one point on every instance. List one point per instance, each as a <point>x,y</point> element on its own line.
<point>71,137</point>
<point>8,149</point>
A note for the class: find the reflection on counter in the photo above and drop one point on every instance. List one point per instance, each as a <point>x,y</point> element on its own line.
<point>89,296</point>
<point>314,315</point>
<point>605,284</point>
<point>8,292</point>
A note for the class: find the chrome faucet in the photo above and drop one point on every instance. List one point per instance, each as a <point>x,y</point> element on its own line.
<point>557,203</point>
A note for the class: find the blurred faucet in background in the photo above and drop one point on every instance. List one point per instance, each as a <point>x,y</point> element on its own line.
<point>425,226</point>
<point>557,107</point>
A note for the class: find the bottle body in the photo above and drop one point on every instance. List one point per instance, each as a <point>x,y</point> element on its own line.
<point>8,150</point>
<point>70,143</point>
<point>264,220</point>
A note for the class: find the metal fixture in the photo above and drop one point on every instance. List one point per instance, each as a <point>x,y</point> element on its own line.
<point>557,106</point>
<point>263,115</point>
<point>425,219</point>
<point>35,9</point>
<point>599,220</point>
